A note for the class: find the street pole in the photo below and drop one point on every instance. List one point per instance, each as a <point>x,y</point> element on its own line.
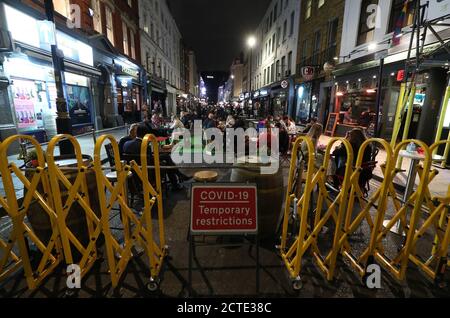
<point>379,91</point>
<point>251,75</point>
<point>63,123</point>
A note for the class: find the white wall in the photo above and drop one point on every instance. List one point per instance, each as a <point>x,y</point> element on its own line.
<point>162,42</point>
<point>290,44</point>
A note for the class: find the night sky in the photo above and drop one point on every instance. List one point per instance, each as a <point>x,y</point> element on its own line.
<point>217,29</point>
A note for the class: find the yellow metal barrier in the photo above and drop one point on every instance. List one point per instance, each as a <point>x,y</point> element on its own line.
<point>307,238</point>
<point>135,230</point>
<point>377,200</point>
<point>436,221</point>
<point>75,193</point>
<point>398,265</point>
<point>22,234</point>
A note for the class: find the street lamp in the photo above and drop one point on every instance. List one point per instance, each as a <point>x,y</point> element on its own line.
<point>63,122</point>
<point>232,77</point>
<point>251,42</point>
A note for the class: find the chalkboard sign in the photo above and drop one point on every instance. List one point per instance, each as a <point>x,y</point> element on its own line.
<point>332,123</point>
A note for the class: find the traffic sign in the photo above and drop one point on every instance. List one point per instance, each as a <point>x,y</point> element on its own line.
<point>224,209</point>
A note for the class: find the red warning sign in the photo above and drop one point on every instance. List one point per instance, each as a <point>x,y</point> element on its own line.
<point>223,209</point>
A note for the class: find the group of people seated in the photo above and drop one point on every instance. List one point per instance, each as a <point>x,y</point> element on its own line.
<point>337,166</point>
<point>130,150</point>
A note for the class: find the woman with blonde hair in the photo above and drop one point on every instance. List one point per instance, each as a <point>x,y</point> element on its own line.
<point>314,133</point>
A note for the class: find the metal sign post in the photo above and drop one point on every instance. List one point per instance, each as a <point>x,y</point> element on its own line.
<point>223,210</point>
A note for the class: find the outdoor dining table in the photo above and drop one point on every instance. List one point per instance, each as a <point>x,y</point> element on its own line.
<point>410,183</point>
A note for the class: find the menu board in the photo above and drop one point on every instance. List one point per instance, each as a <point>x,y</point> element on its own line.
<point>332,123</point>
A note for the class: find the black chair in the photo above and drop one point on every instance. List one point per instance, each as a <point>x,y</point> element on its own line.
<point>133,190</point>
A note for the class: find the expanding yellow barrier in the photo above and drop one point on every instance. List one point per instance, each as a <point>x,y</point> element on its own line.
<point>397,265</point>
<point>37,190</point>
<point>353,209</point>
<point>377,200</point>
<point>436,222</point>
<point>136,230</point>
<point>73,197</point>
<point>64,189</point>
<point>312,225</point>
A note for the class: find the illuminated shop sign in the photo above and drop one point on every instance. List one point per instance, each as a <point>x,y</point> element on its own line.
<point>41,34</point>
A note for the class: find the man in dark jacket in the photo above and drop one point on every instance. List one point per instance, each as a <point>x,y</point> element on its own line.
<point>133,149</point>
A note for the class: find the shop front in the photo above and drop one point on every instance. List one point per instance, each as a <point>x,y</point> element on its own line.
<point>282,98</point>
<point>261,102</point>
<point>158,92</point>
<point>356,91</point>
<point>31,78</point>
<point>129,90</point>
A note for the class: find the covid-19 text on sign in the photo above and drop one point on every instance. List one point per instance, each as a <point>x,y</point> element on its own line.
<point>224,209</point>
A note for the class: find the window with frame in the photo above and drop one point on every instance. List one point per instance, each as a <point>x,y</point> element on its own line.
<point>286,3</point>
<point>125,38</point>
<point>366,29</point>
<point>265,74</point>
<point>275,12</point>
<point>283,66</point>
<point>289,63</point>
<point>396,10</point>
<point>130,3</point>
<point>291,31</point>
<point>272,73</point>
<point>273,42</point>
<point>278,36</point>
<point>109,25</point>
<point>284,29</point>
<point>320,3</point>
<point>316,47</point>
<point>332,38</point>
<point>133,45</point>
<point>304,51</point>
<point>62,7</point>
<point>97,18</point>
<point>278,69</point>
<point>308,9</point>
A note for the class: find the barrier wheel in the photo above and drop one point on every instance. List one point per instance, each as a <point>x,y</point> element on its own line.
<point>153,286</point>
<point>297,284</point>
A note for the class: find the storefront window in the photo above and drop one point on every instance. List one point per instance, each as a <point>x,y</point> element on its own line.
<point>303,109</point>
<point>396,11</point>
<point>367,21</point>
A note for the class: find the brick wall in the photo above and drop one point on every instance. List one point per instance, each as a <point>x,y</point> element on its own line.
<point>319,20</point>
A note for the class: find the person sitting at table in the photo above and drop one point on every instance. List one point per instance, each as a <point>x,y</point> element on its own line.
<point>131,136</point>
<point>156,121</point>
<point>152,129</point>
<point>314,133</point>
<point>185,119</point>
<point>176,123</point>
<point>209,122</point>
<point>309,125</point>
<point>283,138</point>
<point>348,116</point>
<point>132,150</point>
<point>231,122</point>
<point>337,167</point>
